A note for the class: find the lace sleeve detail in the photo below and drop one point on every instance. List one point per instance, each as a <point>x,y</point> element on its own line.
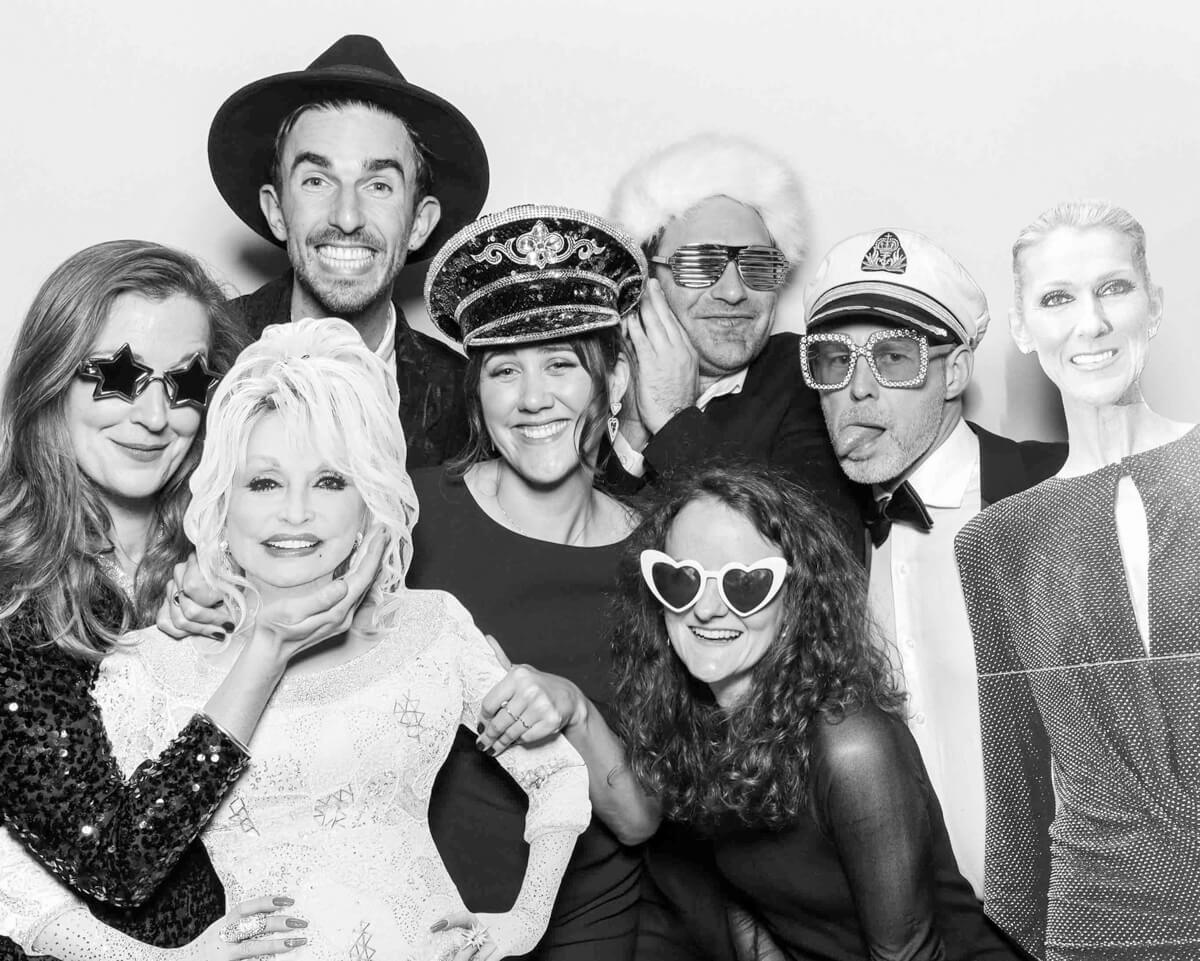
<point>63,794</point>
<point>30,896</point>
<point>77,935</point>
<point>554,777</point>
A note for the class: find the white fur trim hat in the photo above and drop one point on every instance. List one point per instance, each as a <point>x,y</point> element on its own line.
<point>669,183</point>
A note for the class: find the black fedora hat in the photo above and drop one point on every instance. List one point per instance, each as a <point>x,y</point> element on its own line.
<point>241,141</point>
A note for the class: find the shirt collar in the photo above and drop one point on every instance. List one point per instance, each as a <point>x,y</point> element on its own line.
<point>729,384</point>
<point>942,478</point>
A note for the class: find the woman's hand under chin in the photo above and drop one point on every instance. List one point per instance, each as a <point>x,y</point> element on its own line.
<point>285,628</point>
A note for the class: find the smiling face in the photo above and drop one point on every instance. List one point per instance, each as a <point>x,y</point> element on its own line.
<point>345,206</point>
<point>533,401</point>
<point>728,323</point>
<point>879,432</point>
<point>292,519</point>
<point>716,645</point>
<point>131,451</point>
<point>1088,312</point>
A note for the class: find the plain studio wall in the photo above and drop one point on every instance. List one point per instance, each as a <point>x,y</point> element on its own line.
<point>960,120</point>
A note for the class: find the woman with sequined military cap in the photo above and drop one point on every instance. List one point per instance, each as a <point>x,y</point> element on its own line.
<point>517,530</point>
<point>1083,600</point>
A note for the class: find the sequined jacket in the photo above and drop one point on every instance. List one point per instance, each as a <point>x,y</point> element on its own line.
<point>428,373</point>
<point>62,794</point>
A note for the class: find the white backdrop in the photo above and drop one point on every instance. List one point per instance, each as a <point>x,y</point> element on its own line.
<point>959,120</point>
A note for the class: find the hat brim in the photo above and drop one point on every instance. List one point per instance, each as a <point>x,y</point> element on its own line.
<point>241,143</point>
<point>891,303</point>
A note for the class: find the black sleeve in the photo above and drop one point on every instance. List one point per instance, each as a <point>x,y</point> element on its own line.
<point>869,795</point>
<point>63,795</point>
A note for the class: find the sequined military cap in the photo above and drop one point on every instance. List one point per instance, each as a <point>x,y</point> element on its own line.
<point>533,273</point>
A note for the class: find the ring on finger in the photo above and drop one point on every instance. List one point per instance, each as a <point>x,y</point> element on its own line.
<point>526,724</point>
<point>504,708</point>
<point>476,937</point>
<point>243,929</point>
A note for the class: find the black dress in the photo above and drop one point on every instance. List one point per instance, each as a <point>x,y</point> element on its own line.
<point>545,603</point>
<point>868,872</point>
<point>128,847</point>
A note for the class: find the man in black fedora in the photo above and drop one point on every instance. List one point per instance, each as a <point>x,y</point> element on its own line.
<point>356,172</point>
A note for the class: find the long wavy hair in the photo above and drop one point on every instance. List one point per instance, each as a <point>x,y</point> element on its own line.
<point>752,761</point>
<point>332,394</point>
<point>598,353</point>
<point>53,522</point>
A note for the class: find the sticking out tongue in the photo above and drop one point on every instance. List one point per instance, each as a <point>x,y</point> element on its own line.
<point>857,439</point>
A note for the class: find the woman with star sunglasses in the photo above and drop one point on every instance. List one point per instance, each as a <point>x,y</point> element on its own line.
<point>101,426</point>
<point>758,708</point>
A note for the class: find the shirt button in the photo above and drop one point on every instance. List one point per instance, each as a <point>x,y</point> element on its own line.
<point>902,570</point>
<point>909,643</point>
<point>919,717</point>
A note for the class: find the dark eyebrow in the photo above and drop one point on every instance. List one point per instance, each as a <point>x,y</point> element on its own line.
<point>307,156</point>
<point>384,163</point>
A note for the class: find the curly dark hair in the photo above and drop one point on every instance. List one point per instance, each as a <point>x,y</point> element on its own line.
<point>704,761</point>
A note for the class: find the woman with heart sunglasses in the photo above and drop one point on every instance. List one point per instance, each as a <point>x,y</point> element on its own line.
<point>758,708</point>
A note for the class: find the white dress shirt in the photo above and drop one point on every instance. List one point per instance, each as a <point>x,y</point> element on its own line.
<point>633,461</point>
<point>916,600</point>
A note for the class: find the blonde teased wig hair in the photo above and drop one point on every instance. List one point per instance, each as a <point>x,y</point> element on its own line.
<point>676,179</point>
<point>332,393</point>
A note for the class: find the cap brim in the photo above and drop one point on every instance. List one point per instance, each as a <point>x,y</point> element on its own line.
<point>892,303</point>
<point>241,143</point>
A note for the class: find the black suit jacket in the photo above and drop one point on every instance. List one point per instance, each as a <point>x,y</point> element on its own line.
<point>428,373</point>
<point>775,420</point>
<point>1007,467</point>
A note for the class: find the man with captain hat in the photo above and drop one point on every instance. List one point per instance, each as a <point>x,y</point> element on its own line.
<point>893,322</point>
<point>356,172</point>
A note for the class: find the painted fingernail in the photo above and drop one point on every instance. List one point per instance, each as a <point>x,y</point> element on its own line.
<point>294,942</point>
<point>479,727</point>
<point>297,923</point>
<point>218,636</point>
<point>228,625</point>
<point>440,925</point>
<point>490,752</point>
<point>479,746</point>
<point>282,902</point>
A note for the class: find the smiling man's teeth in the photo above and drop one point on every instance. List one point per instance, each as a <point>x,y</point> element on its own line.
<point>706,634</point>
<point>1090,360</point>
<point>346,256</point>
<point>542,431</point>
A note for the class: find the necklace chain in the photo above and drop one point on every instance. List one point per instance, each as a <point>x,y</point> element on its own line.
<point>574,541</point>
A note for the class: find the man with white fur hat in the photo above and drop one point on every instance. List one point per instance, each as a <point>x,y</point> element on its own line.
<point>723,224</point>
<point>893,322</point>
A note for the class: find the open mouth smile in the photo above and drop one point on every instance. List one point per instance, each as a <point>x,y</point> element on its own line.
<point>348,260</point>
<point>542,431</point>
<point>1091,361</point>
<point>292,546</point>
<point>711,636</point>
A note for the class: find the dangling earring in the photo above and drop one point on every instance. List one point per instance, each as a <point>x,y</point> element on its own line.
<point>614,425</point>
<point>358,539</point>
<point>226,556</point>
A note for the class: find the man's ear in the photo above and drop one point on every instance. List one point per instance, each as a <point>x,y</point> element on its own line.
<point>425,218</point>
<point>960,364</point>
<point>1020,332</point>
<point>268,202</point>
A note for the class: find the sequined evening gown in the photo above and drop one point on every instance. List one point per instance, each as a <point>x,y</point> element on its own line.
<point>1091,744</point>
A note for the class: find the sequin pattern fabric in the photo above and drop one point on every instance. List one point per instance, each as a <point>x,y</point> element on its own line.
<point>333,808</point>
<point>63,795</point>
<point>1096,856</point>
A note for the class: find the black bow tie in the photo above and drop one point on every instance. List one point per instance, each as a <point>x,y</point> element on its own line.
<point>903,507</point>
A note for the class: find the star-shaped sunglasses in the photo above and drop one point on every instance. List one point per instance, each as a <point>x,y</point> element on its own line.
<point>118,374</point>
<point>745,588</point>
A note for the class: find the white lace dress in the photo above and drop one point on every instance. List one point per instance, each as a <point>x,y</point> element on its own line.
<point>333,808</point>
